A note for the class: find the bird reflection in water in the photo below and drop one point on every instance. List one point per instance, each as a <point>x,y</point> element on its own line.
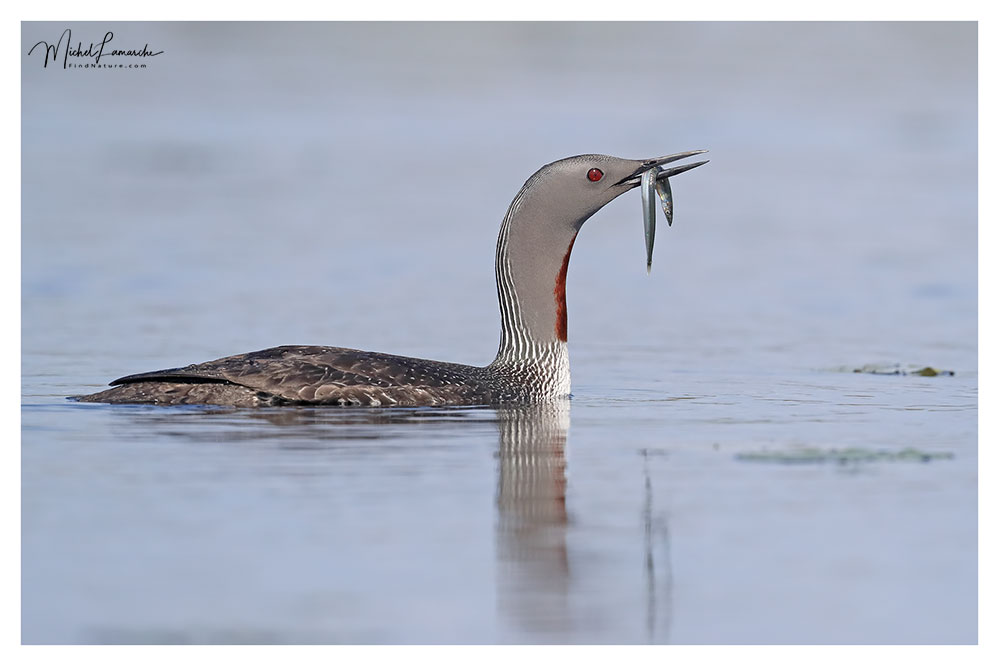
<point>538,592</point>
<point>536,582</point>
<point>656,547</point>
<point>533,562</point>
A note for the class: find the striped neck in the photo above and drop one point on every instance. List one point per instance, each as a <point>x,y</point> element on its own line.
<point>530,283</point>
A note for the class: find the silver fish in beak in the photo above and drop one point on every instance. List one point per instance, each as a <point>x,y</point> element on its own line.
<point>665,193</point>
<point>649,212</point>
<point>655,181</point>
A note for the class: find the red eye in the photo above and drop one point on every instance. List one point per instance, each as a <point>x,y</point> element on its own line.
<point>595,174</point>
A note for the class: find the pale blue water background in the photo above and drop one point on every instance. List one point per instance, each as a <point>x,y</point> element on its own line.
<point>343,184</point>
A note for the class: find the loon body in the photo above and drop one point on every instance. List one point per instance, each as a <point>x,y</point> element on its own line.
<point>531,365</point>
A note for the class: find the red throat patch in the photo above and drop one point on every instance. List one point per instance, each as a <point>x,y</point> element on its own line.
<point>561,325</point>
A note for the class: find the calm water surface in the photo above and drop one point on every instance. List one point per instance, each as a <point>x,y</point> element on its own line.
<point>721,474</point>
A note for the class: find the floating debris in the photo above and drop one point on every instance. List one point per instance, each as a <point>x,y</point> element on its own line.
<point>845,456</point>
<point>915,370</point>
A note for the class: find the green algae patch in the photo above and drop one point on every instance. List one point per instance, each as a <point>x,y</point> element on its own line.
<point>914,370</point>
<point>845,456</point>
<point>932,372</point>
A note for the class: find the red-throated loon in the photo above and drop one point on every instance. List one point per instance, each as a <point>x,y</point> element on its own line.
<point>531,366</point>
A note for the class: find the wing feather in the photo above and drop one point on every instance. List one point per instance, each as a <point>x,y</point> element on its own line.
<point>335,375</point>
